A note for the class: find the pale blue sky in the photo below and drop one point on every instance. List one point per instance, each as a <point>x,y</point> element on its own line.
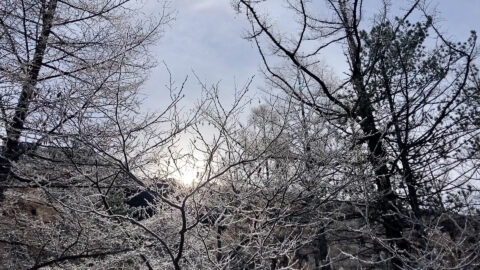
<point>207,37</point>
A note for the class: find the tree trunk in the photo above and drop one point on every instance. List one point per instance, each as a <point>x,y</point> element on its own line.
<point>377,153</point>
<point>11,150</point>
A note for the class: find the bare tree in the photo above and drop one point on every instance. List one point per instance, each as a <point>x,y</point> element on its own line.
<point>397,105</point>
<point>374,168</point>
<point>60,62</point>
<point>70,76</point>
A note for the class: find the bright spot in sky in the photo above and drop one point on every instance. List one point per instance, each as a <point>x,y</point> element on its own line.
<point>186,174</point>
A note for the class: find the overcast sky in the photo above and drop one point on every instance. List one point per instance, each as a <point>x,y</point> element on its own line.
<point>207,37</point>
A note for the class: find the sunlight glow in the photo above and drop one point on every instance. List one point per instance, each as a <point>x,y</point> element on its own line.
<point>187,173</point>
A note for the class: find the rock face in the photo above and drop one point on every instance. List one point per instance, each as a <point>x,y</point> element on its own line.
<point>33,226</point>
<point>24,218</point>
<point>28,204</point>
<point>347,241</point>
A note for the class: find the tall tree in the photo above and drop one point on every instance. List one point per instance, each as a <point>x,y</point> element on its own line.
<point>72,137</point>
<point>400,99</point>
<point>61,62</point>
